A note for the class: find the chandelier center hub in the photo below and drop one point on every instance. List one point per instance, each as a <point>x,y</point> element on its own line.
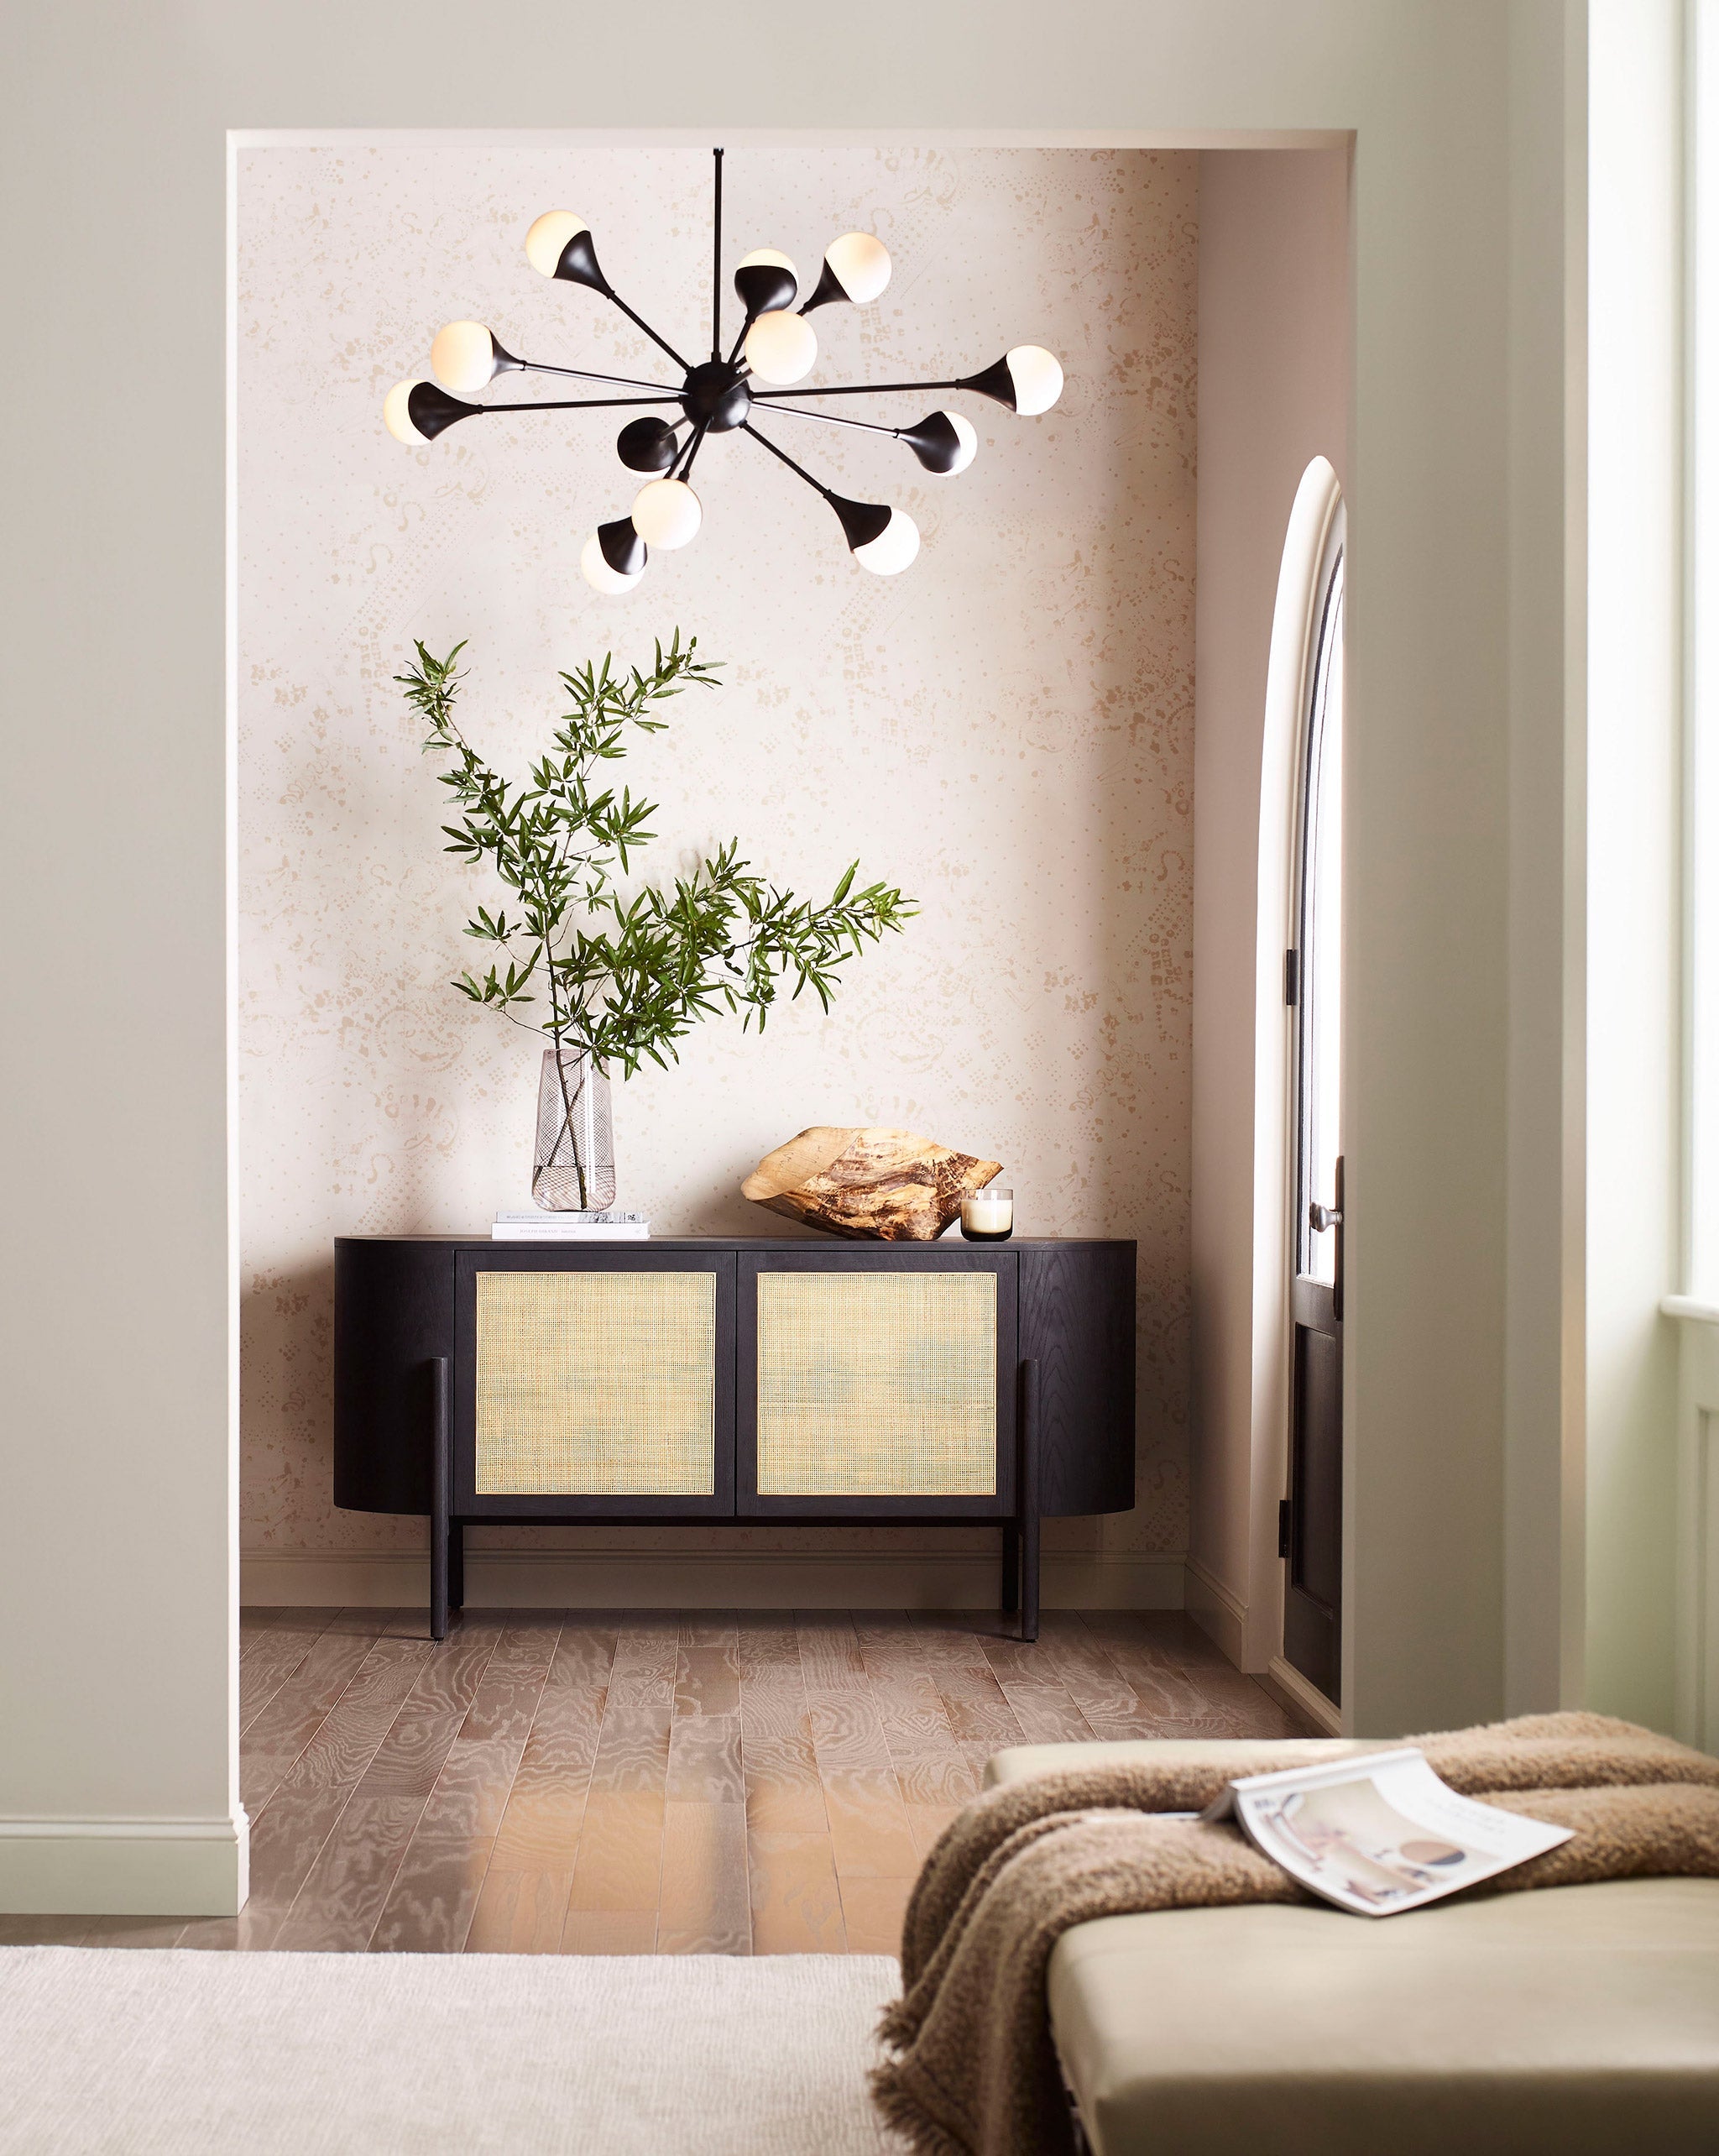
<point>715,396</point>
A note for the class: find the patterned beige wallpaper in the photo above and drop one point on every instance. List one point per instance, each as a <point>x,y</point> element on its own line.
<point>1006,730</point>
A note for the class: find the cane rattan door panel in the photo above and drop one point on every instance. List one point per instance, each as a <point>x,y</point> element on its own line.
<point>875,1383</point>
<point>594,1383</point>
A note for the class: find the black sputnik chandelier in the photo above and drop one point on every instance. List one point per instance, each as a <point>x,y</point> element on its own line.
<point>727,393</point>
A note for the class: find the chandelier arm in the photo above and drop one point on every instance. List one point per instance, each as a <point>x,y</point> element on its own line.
<point>585,374</point>
<point>716,268</point>
<point>573,404</point>
<point>747,427</point>
<point>835,419</point>
<point>695,443</point>
<point>855,389</point>
<point>639,320</point>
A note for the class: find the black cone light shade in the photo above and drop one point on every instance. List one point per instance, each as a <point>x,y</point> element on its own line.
<point>1026,379</point>
<point>621,546</point>
<point>940,444</point>
<point>647,445</point>
<point>765,283</point>
<point>418,411</point>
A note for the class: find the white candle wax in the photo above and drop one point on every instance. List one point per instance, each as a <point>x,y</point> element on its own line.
<point>986,1216</point>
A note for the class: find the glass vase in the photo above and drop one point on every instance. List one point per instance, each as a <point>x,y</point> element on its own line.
<point>573,1168</point>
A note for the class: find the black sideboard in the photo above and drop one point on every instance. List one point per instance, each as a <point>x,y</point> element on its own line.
<point>699,1379</point>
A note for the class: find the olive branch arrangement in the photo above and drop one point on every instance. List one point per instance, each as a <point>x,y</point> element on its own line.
<point>624,978</point>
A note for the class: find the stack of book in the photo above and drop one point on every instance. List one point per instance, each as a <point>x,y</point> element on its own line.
<point>571,1227</point>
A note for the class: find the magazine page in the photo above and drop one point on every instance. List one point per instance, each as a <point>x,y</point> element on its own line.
<point>1378,1833</point>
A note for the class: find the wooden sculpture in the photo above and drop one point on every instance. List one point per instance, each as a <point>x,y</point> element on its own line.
<point>886,1186</point>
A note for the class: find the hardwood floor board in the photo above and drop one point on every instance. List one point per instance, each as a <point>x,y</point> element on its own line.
<point>434,1896</point>
<point>703,1905</point>
<point>275,1655</point>
<point>980,1713</point>
<point>872,1910</point>
<point>847,1733</point>
<point>949,1638</point>
<point>280,1731</point>
<point>710,1628</point>
<point>156,1932</point>
<point>409,1759</point>
<point>796,1904</point>
<point>830,1660</point>
<point>610,1931</point>
<point>1046,1714</point>
<point>768,1652</point>
<point>708,1680</point>
<point>632,1749</point>
<point>336,1909</point>
<point>520,1912</point>
<point>504,1703</point>
<point>351,1733</point>
<point>778,1761</point>
<point>869,1830</point>
<point>926,1822</point>
<point>648,1646</point>
<point>910,1709</point>
<point>704,1760</point>
<point>43,1931</point>
<point>1088,1674</point>
<point>585,1654</point>
<point>1167,1687</point>
<point>471,1794</point>
<point>944,1780</point>
<point>546,1805</point>
<point>286,1841</point>
<point>619,1862</point>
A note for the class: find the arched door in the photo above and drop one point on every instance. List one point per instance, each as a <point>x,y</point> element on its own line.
<point>1312,1532</point>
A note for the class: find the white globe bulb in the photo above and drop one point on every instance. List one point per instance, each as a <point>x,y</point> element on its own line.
<point>546,241</point>
<point>462,357</point>
<point>968,450</point>
<point>894,547</point>
<point>397,416</point>
<point>780,347</point>
<point>600,576</point>
<point>768,258</point>
<point>862,263</point>
<point>667,514</point>
<point>1037,376</point>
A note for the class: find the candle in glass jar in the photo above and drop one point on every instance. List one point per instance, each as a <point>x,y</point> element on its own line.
<point>988,1215</point>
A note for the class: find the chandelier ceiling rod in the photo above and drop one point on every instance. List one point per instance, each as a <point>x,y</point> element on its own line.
<point>780,347</point>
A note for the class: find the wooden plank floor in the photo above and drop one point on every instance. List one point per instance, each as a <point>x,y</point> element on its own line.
<point>574,1783</point>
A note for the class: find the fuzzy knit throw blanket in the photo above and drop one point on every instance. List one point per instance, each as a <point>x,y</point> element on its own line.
<point>974,2071</point>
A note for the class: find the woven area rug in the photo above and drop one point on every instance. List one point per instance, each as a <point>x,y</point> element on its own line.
<point>123,2052</point>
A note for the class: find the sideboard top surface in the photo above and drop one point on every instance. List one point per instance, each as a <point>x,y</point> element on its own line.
<point>946,1242</point>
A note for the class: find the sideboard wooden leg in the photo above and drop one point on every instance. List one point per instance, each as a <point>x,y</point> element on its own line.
<point>1028,1501</point>
<point>440,1486</point>
<point>456,1564</point>
<point>1011,1568</point>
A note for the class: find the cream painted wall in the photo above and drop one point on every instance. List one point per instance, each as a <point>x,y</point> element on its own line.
<point>1275,314</point>
<point>118,1587</point>
<point>1006,730</point>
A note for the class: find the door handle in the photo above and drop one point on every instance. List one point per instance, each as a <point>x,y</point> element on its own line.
<point>1324,1216</point>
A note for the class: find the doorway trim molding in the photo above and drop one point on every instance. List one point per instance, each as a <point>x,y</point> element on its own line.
<point>1318,500</point>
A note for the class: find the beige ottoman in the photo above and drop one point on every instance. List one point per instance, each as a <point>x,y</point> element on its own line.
<point>1575,2020</point>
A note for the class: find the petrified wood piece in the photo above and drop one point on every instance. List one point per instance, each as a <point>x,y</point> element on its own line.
<point>872,1185</point>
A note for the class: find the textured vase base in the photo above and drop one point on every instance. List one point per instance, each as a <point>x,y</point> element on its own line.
<point>557,1190</point>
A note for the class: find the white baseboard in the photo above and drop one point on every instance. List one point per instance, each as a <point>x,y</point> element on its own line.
<point>607,1579</point>
<point>1219,1614</point>
<point>1311,1701</point>
<point>124,1867</point>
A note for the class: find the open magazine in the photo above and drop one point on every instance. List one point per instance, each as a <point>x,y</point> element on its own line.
<point>1379,1832</point>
